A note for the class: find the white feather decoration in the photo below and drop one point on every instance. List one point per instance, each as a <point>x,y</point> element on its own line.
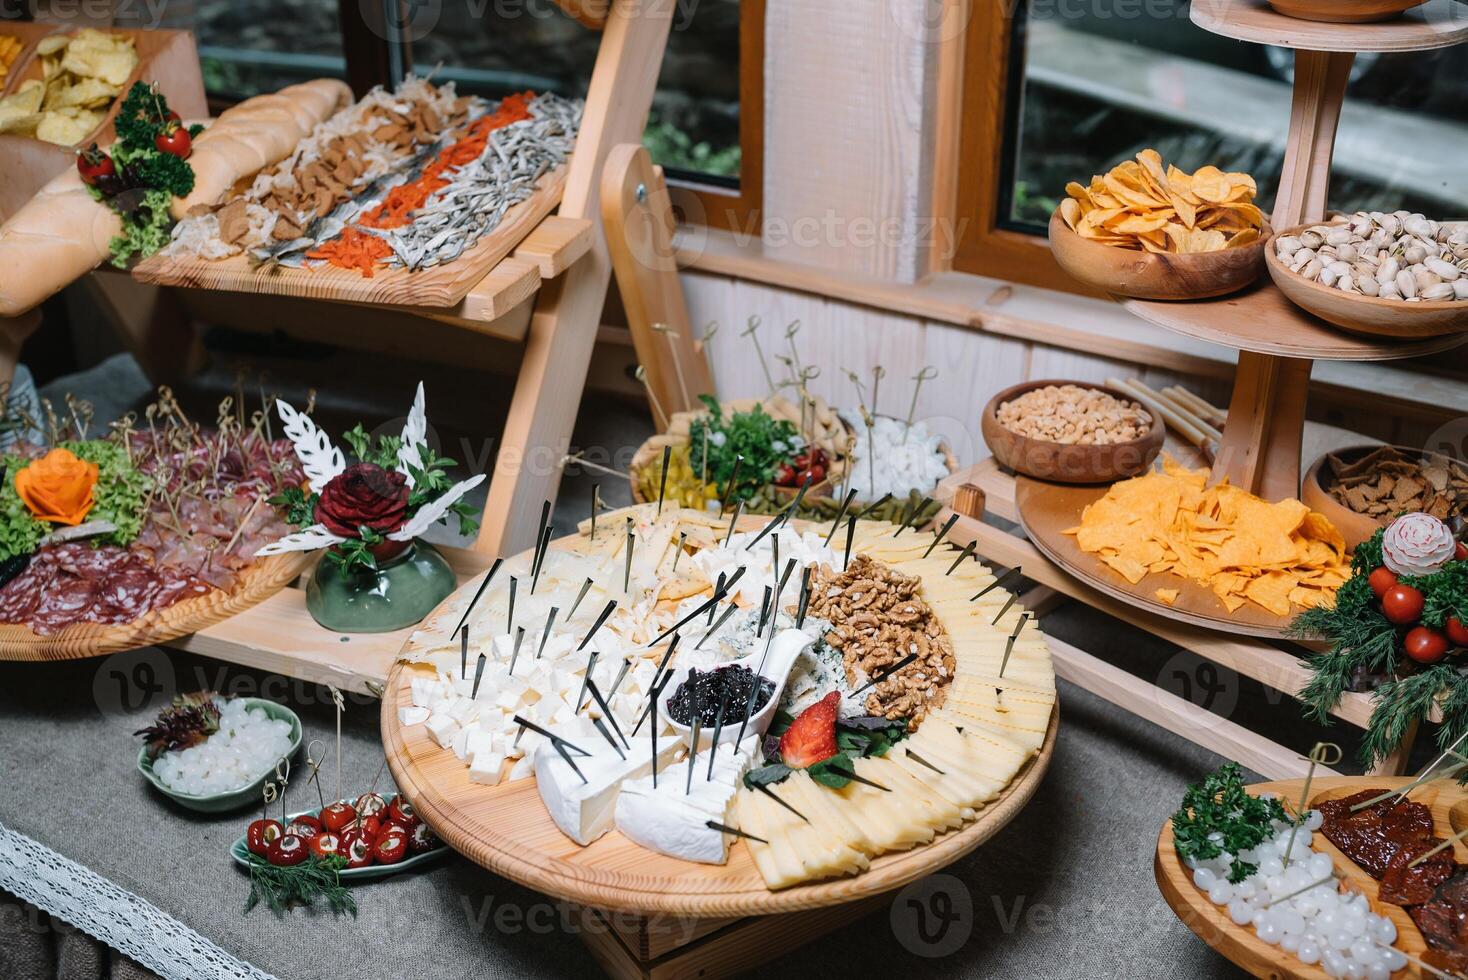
<point>320,460</point>
<point>314,537</point>
<point>430,512</point>
<point>415,435</point>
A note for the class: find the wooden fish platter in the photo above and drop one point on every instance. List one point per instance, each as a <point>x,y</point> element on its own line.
<point>506,827</point>
<point>1211,923</point>
<point>256,583</point>
<point>440,286</point>
<point>1046,510</point>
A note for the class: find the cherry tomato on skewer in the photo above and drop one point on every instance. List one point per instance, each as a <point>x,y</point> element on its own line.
<point>391,847</point>
<point>336,816</point>
<point>93,165</point>
<point>287,850</point>
<point>260,835</point>
<point>175,140</point>
<point>369,804</point>
<point>325,845</point>
<point>401,812</point>
<point>422,839</point>
<point>305,827</point>
<point>356,850</point>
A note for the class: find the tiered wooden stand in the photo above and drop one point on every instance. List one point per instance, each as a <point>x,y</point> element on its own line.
<point>1264,435</point>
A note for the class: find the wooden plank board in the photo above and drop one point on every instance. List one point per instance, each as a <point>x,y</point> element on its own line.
<point>440,286</point>
<point>555,243</point>
<point>257,583</point>
<point>1240,944</point>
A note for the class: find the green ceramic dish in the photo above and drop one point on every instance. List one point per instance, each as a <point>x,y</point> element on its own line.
<point>234,799</point>
<point>241,855</point>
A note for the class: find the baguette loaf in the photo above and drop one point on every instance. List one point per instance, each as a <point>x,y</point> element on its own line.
<point>62,233</point>
<point>255,134</point>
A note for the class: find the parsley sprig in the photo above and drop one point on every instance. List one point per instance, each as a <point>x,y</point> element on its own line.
<point>1221,805</point>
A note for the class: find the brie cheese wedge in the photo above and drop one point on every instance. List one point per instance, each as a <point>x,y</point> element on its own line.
<point>585,808</point>
<point>672,817</point>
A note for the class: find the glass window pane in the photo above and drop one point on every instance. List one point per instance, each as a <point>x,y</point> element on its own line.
<point>251,46</point>
<point>495,47</point>
<point>1091,88</point>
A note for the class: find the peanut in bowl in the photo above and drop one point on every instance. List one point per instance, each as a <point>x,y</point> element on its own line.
<point>1071,432</point>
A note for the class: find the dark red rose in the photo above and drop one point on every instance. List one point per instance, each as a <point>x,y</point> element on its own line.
<point>364,495</point>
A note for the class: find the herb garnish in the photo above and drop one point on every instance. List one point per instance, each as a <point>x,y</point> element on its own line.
<point>1220,805</point>
<point>279,887</point>
<point>856,738</point>
<point>765,443</point>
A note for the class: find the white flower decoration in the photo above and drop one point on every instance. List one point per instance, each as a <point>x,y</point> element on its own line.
<point>1417,544</point>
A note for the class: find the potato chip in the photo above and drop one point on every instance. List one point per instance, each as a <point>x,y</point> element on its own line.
<point>1143,205</point>
<point>1276,555</point>
<point>81,75</point>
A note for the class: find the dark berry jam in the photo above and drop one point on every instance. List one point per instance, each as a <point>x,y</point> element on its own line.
<point>703,692</point>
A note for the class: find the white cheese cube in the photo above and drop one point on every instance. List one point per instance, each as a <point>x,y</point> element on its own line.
<point>442,729</point>
<point>412,715</point>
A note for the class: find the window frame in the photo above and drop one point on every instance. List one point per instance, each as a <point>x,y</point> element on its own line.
<point>727,208</point>
<point>991,72</point>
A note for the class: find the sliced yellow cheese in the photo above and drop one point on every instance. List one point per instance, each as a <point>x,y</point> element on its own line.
<point>944,814</point>
<point>821,808</point>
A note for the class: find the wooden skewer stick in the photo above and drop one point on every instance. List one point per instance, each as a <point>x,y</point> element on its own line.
<point>1441,847</point>
<point>1319,755</point>
<point>341,706</point>
<point>1420,964</point>
<point>1203,409</point>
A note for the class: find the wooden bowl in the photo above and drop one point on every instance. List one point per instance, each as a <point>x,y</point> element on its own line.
<point>1344,11</point>
<point>1057,462</point>
<point>1370,315</point>
<point>1314,493</point>
<point>1152,275</point>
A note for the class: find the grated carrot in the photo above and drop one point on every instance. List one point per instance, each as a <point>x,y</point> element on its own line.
<point>363,251</point>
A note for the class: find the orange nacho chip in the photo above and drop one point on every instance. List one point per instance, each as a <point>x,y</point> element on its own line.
<point>1278,556</point>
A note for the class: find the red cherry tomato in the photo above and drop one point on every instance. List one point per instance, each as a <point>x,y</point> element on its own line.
<point>288,849</point>
<point>401,812</point>
<point>371,827</point>
<point>422,839</point>
<point>1425,645</point>
<point>391,847</point>
<point>1460,551</point>
<point>370,803</point>
<point>1402,604</point>
<point>817,473</point>
<point>1457,632</point>
<point>1381,580</point>
<point>785,475</point>
<point>325,845</point>
<point>260,835</point>
<point>305,827</point>
<point>176,140</point>
<point>336,816</point>
<point>93,164</point>
<point>356,850</point>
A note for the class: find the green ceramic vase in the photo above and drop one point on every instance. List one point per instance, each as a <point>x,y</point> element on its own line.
<point>402,591</point>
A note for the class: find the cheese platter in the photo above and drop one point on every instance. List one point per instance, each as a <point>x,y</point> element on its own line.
<point>577,720</point>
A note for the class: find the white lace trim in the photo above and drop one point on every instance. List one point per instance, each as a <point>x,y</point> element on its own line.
<point>122,920</point>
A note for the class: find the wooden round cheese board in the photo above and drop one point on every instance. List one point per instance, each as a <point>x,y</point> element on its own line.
<point>507,829</point>
<point>1240,944</point>
<point>261,580</point>
<point>1047,510</point>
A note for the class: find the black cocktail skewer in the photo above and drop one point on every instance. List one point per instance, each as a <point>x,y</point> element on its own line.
<point>847,773</point>
<point>544,554</point>
<point>627,565</point>
<point>586,678</point>
<point>764,612</point>
<point>942,533</point>
<point>510,616</point>
<point>771,794</point>
<point>1013,598</point>
<point>804,598</point>
<point>606,710</point>
<point>708,604</point>
<point>850,496</point>
<point>463,653</point>
<point>724,618</point>
<point>968,549</point>
<point>731,485</point>
<point>525,723</point>
<point>550,622</point>
<point>479,592</point>
<point>850,535</point>
<point>515,652</point>
<point>602,728</point>
<point>478,673</point>
<point>663,483</point>
<point>882,675</point>
<point>1009,644</point>
<point>718,587</point>
<point>734,521</point>
<point>723,829</point>
<point>867,510</point>
<point>607,611</point>
<point>585,587</point>
<point>912,515</point>
<point>1002,580</point>
<point>718,729</point>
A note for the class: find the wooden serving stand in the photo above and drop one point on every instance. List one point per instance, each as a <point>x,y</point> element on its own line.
<point>1264,435</point>
<point>1241,945</point>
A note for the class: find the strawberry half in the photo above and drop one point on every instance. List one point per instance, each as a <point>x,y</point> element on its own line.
<point>812,736</point>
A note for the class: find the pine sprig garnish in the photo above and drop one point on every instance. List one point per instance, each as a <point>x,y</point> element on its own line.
<point>280,887</point>
<point>1398,705</point>
<point>1220,805</point>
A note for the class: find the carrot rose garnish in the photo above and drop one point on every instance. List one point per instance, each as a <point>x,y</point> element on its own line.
<point>58,487</point>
